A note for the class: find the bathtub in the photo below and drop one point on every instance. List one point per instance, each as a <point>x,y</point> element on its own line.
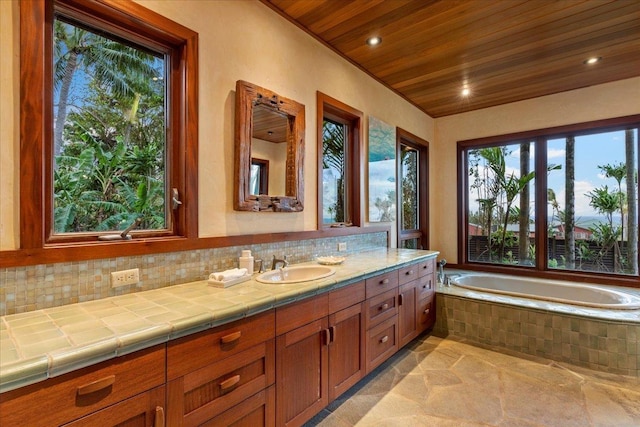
<point>549,290</point>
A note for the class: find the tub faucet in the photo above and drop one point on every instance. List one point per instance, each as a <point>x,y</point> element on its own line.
<point>276,261</point>
<point>441,276</point>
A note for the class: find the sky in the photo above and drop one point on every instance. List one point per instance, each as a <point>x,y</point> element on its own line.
<point>590,152</point>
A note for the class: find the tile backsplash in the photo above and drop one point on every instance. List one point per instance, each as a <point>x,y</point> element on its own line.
<point>35,287</point>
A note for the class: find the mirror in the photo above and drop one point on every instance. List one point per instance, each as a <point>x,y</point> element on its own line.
<point>269,148</point>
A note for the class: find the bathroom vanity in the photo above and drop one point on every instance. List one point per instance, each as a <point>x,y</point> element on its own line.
<point>274,355</point>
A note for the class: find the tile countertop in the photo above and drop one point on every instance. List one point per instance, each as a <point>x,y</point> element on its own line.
<point>46,343</point>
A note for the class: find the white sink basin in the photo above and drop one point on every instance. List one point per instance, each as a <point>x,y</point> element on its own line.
<point>295,274</point>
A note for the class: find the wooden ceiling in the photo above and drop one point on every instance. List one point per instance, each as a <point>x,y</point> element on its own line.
<point>505,50</point>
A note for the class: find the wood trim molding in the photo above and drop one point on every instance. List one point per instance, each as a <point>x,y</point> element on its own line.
<point>136,247</point>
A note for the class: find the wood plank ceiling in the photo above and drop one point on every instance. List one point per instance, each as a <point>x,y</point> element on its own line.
<point>503,50</point>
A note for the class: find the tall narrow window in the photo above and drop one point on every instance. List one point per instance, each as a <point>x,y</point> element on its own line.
<point>412,191</point>
<point>338,163</point>
<point>335,202</point>
<point>580,217</point>
<point>108,123</point>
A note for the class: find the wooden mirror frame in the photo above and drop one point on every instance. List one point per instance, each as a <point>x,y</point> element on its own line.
<point>249,95</point>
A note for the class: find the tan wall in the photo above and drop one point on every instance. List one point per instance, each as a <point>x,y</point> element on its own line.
<point>239,40</point>
<point>616,99</point>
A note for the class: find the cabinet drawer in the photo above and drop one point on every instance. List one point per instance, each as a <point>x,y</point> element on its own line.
<point>346,297</point>
<point>256,411</point>
<point>146,409</point>
<point>425,286</point>
<point>300,313</point>
<point>211,390</point>
<point>76,394</point>
<point>196,351</point>
<point>382,342</point>
<point>426,267</point>
<point>381,283</point>
<point>426,313</point>
<point>382,307</point>
<point>408,273</point>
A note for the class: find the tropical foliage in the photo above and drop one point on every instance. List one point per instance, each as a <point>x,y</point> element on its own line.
<point>109,138</point>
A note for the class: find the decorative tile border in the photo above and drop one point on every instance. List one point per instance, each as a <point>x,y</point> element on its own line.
<point>593,343</point>
<point>24,289</point>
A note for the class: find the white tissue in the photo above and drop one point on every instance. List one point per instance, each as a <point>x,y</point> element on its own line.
<point>223,276</point>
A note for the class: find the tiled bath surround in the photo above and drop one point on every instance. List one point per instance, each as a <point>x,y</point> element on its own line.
<point>36,287</point>
<point>610,346</point>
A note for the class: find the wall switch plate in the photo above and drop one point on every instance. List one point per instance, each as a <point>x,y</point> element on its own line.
<point>342,246</point>
<point>125,277</point>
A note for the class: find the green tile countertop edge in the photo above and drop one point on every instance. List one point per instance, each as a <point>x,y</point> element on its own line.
<point>46,343</point>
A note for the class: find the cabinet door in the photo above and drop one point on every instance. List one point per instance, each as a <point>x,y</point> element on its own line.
<point>301,373</point>
<point>143,410</point>
<point>346,349</point>
<point>407,322</point>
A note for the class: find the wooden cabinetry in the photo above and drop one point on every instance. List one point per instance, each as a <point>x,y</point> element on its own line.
<point>134,382</point>
<point>319,352</point>
<point>211,374</point>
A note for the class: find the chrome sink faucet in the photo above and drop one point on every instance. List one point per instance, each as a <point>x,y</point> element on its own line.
<point>441,275</point>
<point>276,261</point>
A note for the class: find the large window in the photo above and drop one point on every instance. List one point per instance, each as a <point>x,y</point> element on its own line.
<point>562,200</point>
<point>108,123</point>
<point>338,163</point>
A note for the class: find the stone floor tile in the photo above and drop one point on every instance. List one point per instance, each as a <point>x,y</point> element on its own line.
<point>443,382</point>
<point>612,406</point>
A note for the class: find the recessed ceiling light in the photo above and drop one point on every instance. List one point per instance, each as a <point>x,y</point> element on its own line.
<point>592,60</point>
<point>374,41</point>
<point>466,91</point>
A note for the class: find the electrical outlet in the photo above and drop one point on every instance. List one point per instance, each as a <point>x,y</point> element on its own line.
<point>125,277</point>
<point>342,246</point>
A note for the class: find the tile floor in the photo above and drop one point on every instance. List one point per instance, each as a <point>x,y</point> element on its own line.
<point>444,382</point>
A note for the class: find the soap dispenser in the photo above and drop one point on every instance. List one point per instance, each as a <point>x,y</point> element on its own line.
<point>246,261</point>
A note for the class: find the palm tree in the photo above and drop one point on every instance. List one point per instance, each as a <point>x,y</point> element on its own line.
<point>632,201</point>
<point>523,221</point>
<point>123,69</point>
<point>570,210</point>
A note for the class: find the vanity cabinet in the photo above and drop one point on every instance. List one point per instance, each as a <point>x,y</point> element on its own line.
<point>211,374</point>
<point>319,352</point>
<point>125,389</point>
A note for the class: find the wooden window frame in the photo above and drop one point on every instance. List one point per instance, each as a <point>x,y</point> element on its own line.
<point>539,138</point>
<point>422,232</point>
<point>143,27</point>
<point>342,113</point>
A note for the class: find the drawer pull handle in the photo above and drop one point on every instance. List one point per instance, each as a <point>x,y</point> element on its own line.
<point>384,339</point>
<point>332,333</point>
<point>227,384</point>
<point>159,418</point>
<point>384,282</point>
<point>327,336</point>
<point>409,273</point>
<point>231,337</point>
<point>384,306</point>
<point>426,311</point>
<point>96,385</point>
